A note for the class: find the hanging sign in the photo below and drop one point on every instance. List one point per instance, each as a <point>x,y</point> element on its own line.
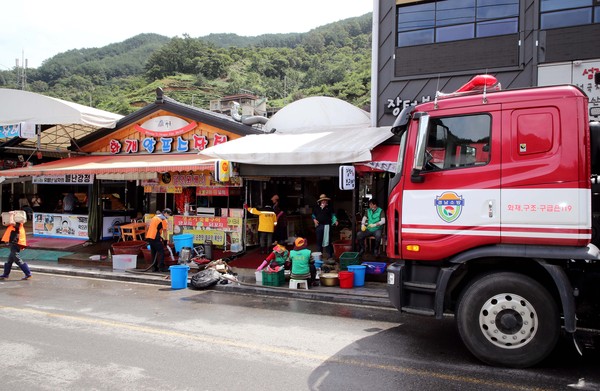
<point>222,170</point>
<point>347,177</point>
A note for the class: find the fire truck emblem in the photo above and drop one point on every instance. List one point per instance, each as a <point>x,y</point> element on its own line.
<point>449,206</point>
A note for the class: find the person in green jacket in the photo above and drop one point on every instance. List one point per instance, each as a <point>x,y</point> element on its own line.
<point>302,267</point>
<point>371,225</point>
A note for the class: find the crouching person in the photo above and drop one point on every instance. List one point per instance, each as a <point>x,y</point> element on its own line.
<point>302,266</point>
<point>17,240</point>
<point>277,258</point>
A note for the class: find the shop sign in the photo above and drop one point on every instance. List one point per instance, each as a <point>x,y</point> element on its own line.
<point>201,236</point>
<point>9,131</point>
<point>163,189</point>
<point>190,179</point>
<point>67,179</point>
<point>222,170</point>
<point>165,125</point>
<point>347,177</point>
<point>212,191</point>
<point>395,106</point>
<point>164,144</point>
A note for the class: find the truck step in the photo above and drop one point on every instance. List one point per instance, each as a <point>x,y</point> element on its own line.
<point>419,311</point>
<point>420,286</point>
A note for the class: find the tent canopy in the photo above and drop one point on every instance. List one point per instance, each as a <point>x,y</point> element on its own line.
<point>333,146</point>
<point>61,120</point>
<point>316,113</point>
<point>310,131</point>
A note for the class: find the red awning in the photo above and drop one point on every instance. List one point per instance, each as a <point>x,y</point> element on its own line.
<point>115,164</point>
<point>383,158</point>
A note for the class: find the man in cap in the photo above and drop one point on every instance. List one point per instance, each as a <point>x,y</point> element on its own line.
<point>324,218</point>
<point>154,236</point>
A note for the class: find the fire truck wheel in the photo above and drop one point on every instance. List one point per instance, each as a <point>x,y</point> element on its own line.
<point>508,319</point>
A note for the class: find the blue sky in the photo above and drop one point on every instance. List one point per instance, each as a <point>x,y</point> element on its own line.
<point>38,29</point>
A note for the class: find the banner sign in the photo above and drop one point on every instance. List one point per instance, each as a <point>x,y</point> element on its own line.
<point>67,179</point>
<point>60,225</point>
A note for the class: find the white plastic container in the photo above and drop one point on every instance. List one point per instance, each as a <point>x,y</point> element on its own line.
<point>124,261</point>
<point>258,276</point>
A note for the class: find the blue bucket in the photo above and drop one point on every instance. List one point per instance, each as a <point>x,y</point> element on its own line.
<point>359,274</point>
<point>183,240</point>
<point>179,276</point>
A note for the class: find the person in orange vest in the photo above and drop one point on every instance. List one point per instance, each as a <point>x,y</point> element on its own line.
<point>158,225</point>
<point>16,240</point>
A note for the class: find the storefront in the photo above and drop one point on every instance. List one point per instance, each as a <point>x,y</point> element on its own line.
<point>148,162</point>
<point>301,155</point>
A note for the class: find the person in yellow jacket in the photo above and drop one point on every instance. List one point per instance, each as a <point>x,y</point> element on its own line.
<point>16,240</point>
<point>154,236</point>
<point>267,220</point>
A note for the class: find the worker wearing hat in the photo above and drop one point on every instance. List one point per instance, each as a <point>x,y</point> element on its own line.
<point>302,267</point>
<point>154,236</point>
<point>324,218</point>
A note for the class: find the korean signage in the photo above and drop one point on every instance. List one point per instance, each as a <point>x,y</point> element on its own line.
<point>347,177</point>
<point>60,225</point>
<point>164,144</point>
<point>394,106</point>
<point>67,179</point>
<point>222,231</point>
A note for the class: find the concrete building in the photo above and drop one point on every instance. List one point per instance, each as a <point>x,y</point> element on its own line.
<point>420,47</point>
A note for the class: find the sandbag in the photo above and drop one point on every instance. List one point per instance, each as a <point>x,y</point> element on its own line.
<point>205,279</point>
<point>14,217</point>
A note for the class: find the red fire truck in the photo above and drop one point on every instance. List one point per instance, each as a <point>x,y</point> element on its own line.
<point>491,218</point>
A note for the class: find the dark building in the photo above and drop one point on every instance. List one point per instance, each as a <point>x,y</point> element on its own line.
<point>421,47</point>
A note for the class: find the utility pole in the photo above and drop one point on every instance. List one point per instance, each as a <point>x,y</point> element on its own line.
<point>21,72</point>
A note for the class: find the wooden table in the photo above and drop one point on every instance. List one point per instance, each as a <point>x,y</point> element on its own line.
<point>133,231</point>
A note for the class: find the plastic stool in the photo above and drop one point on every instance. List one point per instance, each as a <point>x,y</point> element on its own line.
<point>294,284</point>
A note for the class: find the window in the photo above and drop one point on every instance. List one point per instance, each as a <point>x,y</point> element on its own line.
<point>558,13</point>
<point>455,142</point>
<point>452,20</point>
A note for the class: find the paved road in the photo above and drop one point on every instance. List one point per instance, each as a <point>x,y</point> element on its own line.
<point>74,333</point>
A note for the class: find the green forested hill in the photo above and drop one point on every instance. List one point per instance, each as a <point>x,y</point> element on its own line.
<point>332,60</point>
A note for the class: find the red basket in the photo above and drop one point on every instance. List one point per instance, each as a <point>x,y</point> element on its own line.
<point>340,247</point>
<point>132,247</point>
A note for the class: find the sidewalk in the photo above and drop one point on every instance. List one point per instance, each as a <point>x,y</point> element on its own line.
<point>78,264</point>
<point>372,293</point>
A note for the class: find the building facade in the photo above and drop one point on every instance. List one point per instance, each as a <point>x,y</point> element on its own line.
<point>420,47</point>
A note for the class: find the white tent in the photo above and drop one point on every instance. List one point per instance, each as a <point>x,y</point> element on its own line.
<point>316,130</point>
<point>67,120</point>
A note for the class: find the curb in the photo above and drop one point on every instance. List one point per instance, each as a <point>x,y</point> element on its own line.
<point>232,287</point>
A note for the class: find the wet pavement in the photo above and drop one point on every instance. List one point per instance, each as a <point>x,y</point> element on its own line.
<point>241,282</point>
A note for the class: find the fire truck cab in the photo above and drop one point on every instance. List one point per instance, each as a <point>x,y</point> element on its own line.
<point>490,217</point>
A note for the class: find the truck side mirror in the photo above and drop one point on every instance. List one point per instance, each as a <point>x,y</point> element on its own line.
<point>419,158</point>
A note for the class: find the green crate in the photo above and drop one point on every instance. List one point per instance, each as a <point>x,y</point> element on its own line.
<point>348,259</point>
<point>273,279</point>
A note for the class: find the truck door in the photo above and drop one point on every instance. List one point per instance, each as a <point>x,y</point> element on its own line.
<point>452,188</point>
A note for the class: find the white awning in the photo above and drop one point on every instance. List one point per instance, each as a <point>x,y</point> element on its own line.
<point>335,145</point>
<point>68,120</point>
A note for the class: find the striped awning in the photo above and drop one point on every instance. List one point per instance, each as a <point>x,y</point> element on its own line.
<point>116,164</point>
